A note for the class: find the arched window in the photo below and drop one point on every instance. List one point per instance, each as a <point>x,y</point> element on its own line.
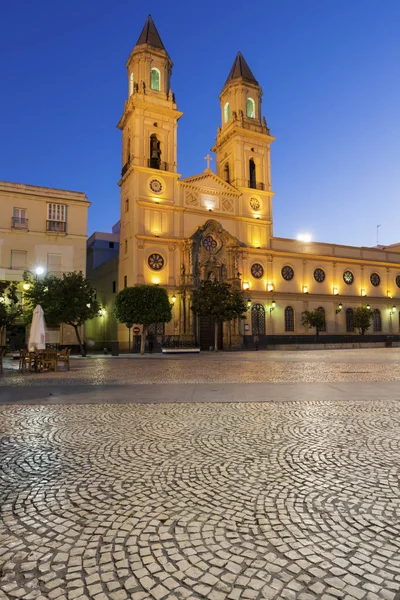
<point>349,320</point>
<point>377,320</point>
<point>155,152</point>
<point>321,309</point>
<point>289,319</point>
<point>131,84</point>
<point>250,108</point>
<point>226,173</point>
<point>258,319</point>
<point>155,79</point>
<point>227,112</point>
<point>128,149</point>
<point>252,174</point>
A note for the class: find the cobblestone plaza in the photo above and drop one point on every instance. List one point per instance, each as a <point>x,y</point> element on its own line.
<point>293,496</point>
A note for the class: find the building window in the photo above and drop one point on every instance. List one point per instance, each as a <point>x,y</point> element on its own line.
<point>252,174</point>
<point>114,287</point>
<point>377,320</point>
<point>155,79</point>
<point>257,270</point>
<point>155,261</point>
<point>375,279</point>
<point>289,319</point>
<point>127,205</point>
<point>227,112</point>
<point>131,80</point>
<point>54,265</point>
<point>287,273</point>
<point>226,173</point>
<point>125,281</point>
<point>348,277</point>
<point>56,217</point>
<point>128,150</point>
<point>111,244</point>
<point>18,259</point>
<point>398,282</point>
<point>126,246</point>
<point>19,220</point>
<point>250,108</point>
<point>258,319</point>
<point>349,320</point>
<point>321,309</point>
<point>319,275</point>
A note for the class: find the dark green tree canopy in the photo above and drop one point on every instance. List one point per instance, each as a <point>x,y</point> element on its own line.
<point>362,318</point>
<point>143,304</point>
<point>10,308</point>
<point>313,319</point>
<point>70,299</point>
<point>219,301</point>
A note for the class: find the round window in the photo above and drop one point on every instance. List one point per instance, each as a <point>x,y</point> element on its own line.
<point>155,261</point>
<point>375,279</point>
<point>398,281</point>
<point>257,270</point>
<point>348,277</point>
<point>209,243</point>
<point>319,275</point>
<point>287,273</point>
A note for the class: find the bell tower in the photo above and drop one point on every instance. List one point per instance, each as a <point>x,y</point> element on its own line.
<point>148,183</point>
<point>243,142</point>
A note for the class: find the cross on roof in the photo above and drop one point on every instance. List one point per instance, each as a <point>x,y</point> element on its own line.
<point>208,158</point>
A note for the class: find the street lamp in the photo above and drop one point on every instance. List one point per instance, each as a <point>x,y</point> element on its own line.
<point>248,304</point>
<point>339,307</point>
<point>272,307</point>
<point>173,298</point>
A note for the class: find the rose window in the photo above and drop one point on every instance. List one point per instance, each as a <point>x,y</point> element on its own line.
<point>155,261</point>
<point>209,243</point>
<point>348,277</point>
<point>319,275</point>
<point>375,279</point>
<point>257,270</point>
<point>287,273</point>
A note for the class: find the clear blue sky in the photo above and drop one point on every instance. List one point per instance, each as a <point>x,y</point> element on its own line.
<point>330,71</point>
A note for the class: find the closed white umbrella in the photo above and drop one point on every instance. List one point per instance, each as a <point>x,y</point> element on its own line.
<point>37,334</point>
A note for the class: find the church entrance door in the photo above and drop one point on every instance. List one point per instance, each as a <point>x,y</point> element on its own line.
<point>206,331</point>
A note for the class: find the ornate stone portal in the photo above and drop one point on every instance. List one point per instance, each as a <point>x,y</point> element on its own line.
<point>211,253</point>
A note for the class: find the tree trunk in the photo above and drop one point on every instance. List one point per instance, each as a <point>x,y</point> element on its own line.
<point>78,337</point>
<point>216,336</point>
<point>143,339</point>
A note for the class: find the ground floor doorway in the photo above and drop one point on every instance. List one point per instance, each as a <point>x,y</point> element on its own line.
<point>207,333</point>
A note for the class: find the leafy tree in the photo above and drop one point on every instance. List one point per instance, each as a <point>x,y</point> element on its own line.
<point>143,305</point>
<point>219,301</point>
<point>70,300</point>
<point>362,318</point>
<point>314,319</point>
<point>10,309</point>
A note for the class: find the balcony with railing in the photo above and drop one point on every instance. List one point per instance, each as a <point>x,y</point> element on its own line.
<point>19,223</point>
<point>157,164</point>
<point>256,185</point>
<point>56,226</point>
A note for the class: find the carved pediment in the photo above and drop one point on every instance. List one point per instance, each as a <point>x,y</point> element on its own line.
<point>209,183</point>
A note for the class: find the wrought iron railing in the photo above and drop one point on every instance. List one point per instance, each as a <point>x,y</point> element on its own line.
<point>256,185</point>
<point>156,164</point>
<point>56,226</point>
<point>19,223</point>
<point>179,341</point>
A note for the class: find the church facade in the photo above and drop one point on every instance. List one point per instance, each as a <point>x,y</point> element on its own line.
<point>177,231</point>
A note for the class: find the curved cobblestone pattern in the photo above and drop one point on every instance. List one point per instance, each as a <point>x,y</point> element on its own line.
<point>221,501</point>
<point>369,365</point>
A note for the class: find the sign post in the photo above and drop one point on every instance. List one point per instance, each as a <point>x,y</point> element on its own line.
<point>129,325</point>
